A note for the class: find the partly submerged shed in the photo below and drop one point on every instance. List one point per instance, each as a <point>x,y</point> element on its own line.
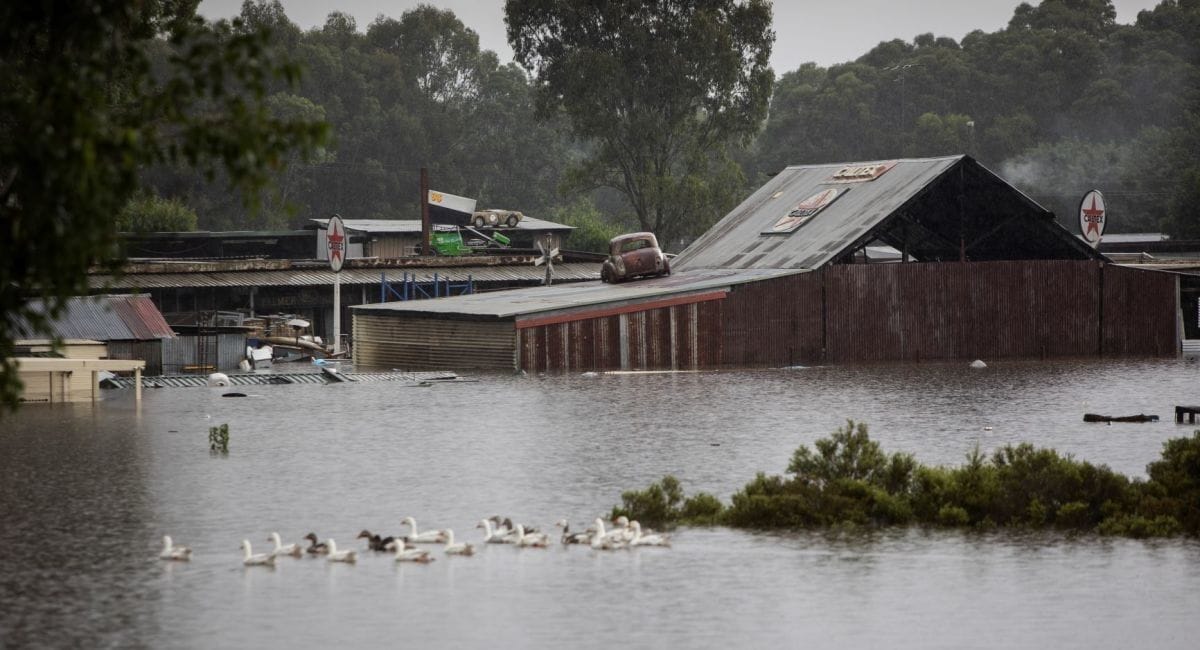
<point>785,278</point>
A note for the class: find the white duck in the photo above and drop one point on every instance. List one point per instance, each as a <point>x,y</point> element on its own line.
<point>249,558</point>
<point>532,540</point>
<point>427,537</point>
<point>651,539</point>
<point>490,536</point>
<point>412,555</point>
<point>293,550</point>
<point>462,548</point>
<point>607,541</point>
<point>349,556</point>
<point>172,552</point>
<point>622,527</point>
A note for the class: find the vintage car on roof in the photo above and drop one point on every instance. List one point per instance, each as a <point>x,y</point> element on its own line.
<point>632,255</point>
<point>495,218</point>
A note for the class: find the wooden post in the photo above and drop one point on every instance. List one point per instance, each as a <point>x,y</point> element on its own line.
<point>425,226</point>
<point>137,385</point>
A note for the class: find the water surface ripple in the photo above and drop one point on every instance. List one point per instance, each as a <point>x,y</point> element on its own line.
<point>88,492</point>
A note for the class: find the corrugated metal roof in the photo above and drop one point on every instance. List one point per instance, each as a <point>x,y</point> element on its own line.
<point>914,204</point>
<point>104,318</point>
<point>195,381</point>
<point>536,300</point>
<point>573,271</point>
<point>411,226</point>
<point>142,317</point>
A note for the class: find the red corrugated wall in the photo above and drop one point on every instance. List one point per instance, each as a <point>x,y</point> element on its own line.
<point>1139,313</point>
<point>883,312</point>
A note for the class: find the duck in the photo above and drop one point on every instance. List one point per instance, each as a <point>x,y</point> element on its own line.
<point>607,541</point>
<point>622,527</point>
<point>412,555</point>
<point>652,539</point>
<point>511,528</point>
<point>573,538</point>
<point>532,540</point>
<point>315,546</point>
<point>293,550</point>
<point>249,558</point>
<point>427,537</point>
<point>462,548</point>
<point>349,556</point>
<point>376,543</point>
<point>172,552</point>
<point>490,536</point>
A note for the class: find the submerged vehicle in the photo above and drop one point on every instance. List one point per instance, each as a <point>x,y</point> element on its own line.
<point>633,255</point>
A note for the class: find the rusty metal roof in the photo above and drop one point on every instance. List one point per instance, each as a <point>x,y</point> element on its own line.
<point>570,271</point>
<point>913,205</point>
<point>500,305</point>
<point>141,316</point>
<point>411,226</point>
<point>104,318</point>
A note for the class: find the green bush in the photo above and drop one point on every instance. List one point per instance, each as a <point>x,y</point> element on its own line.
<point>846,480</point>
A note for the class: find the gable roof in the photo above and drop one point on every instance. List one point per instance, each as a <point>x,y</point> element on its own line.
<point>933,208</point>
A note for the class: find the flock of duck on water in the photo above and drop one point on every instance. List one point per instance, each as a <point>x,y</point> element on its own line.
<point>626,534</point>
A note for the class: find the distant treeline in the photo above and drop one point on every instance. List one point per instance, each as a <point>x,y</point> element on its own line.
<point>847,480</point>
<point>1062,100</point>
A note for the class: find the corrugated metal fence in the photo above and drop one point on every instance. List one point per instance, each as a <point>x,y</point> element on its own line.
<point>204,353</point>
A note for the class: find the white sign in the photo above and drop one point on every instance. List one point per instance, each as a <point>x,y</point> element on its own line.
<point>335,243</point>
<point>1092,217</point>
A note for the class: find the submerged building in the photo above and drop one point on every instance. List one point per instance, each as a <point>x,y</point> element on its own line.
<point>793,275</point>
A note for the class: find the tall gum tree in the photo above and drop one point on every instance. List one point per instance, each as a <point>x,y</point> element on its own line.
<point>659,88</point>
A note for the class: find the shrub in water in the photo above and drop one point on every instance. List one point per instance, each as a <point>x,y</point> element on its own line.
<point>218,439</point>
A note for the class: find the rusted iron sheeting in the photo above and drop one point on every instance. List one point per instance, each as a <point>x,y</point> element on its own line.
<point>773,322</point>
<point>1140,312</point>
<point>423,344</point>
<point>601,312</point>
<point>954,311</point>
<point>665,337</point>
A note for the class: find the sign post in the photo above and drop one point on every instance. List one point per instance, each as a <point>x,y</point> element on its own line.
<point>335,242</point>
<point>1092,217</point>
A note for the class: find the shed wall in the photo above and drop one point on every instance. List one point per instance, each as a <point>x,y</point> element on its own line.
<point>844,314</point>
<point>1139,315</point>
<point>432,344</point>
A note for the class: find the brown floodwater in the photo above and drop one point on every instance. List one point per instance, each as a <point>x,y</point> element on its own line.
<point>87,492</point>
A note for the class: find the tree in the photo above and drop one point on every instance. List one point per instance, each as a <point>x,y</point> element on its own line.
<point>660,88</point>
<point>147,213</point>
<point>90,92</point>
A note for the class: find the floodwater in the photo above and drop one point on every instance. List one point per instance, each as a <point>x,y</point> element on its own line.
<point>87,492</point>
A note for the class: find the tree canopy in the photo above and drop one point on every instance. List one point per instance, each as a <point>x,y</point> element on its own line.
<point>91,91</point>
<point>658,89</point>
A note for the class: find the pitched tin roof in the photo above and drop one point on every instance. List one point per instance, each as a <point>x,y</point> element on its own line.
<point>934,208</point>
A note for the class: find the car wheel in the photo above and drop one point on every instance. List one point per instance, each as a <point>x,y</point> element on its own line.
<point>666,268</point>
<point>511,221</point>
<point>605,275</point>
<point>480,222</point>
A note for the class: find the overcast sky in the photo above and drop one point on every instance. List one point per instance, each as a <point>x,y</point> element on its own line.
<point>827,32</point>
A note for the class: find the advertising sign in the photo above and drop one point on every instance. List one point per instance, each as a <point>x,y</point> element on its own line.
<point>335,243</point>
<point>805,210</point>
<point>1092,217</point>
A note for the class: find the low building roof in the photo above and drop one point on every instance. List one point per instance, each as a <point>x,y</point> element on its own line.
<point>935,209</point>
<point>570,271</point>
<point>503,305</point>
<point>413,226</point>
<point>103,318</point>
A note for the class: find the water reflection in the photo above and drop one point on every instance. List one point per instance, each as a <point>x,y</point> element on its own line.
<point>89,492</point>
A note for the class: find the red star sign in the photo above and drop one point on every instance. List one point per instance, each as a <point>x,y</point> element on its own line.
<point>335,243</point>
<point>1093,216</point>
